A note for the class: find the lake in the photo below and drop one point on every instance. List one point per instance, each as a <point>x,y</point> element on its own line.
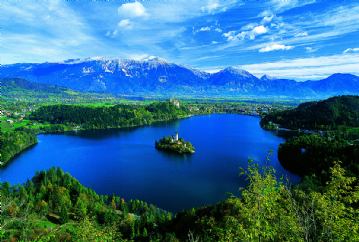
<point>125,162</point>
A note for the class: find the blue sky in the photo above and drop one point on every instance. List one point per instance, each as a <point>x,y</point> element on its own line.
<point>303,39</point>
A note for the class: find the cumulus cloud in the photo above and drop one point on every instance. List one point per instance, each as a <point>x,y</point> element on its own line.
<point>230,35</point>
<point>251,33</point>
<point>132,10</point>
<point>259,30</point>
<point>275,47</point>
<point>351,50</point>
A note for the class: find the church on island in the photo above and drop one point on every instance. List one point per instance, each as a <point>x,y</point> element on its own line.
<point>174,144</point>
<point>175,137</point>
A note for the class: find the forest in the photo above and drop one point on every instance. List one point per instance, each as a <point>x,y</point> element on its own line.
<point>315,154</point>
<point>329,114</point>
<point>54,206</point>
<point>103,117</point>
<point>330,134</point>
<point>13,143</point>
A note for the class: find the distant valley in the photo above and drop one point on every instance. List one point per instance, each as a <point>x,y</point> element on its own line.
<point>156,77</point>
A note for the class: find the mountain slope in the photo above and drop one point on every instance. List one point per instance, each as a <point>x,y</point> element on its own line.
<point>154,76</point>
<point>24,90</point>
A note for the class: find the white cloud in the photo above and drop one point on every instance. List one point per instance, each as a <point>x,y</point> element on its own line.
<point>205,29</point>
<point>327,25</point>
<point>275,47</point>
<point>301,34</point>
<point>43,31</point>
<point>267,16</point>
<point>251,33</point>
<point>230,35</point>
<point>351,50</point>
<point>213,6</point>
<point>219,30</point>
<point>208,28</point>
<point>125,24</point>
<point>283,5</point>
<point>259,30</point>
<point>310,49</point>
<point>308,68</point>
<point>132,10</point>
<point>181,10</point>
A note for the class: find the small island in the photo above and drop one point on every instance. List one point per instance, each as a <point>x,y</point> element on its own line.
<point>175,145</point>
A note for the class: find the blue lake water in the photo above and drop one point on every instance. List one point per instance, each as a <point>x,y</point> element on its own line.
<point>125,162</point>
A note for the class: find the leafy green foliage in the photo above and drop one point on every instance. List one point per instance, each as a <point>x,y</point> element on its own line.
<point>270,210</point>
<point>55,206</point>
<point>14,142</point>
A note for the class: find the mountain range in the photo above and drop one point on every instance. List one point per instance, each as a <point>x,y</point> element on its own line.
<point>154,76</point>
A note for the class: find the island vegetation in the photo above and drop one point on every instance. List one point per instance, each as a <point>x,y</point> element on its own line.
<point>174,144</point>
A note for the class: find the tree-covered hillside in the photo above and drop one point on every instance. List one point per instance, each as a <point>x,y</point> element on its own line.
<point>117,116</point>
<point>14,142</point>
<point>315,154</point>
<point>328,114</point>
<point>53,206</point>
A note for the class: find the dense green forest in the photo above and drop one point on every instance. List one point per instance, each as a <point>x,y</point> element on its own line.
<point>330,134</point>
<point>328,114</point>
<point>315,154</point>
<point>103,117</point>
<point>14,142</point>
<point>54,206</point>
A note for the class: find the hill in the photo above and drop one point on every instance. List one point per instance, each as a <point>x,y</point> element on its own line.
<point>156,77</point>
<point>20,89</point>
<point>53,206</point>
<point>328,114</point>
